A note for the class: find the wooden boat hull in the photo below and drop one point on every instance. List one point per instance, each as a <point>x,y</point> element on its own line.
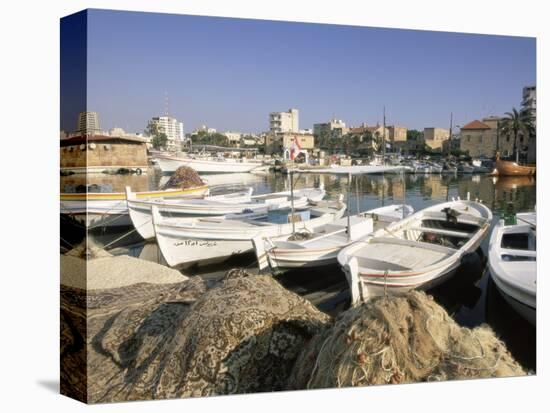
<point>509,168</point>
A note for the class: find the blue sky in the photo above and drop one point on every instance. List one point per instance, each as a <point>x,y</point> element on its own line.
<point>230,73</point>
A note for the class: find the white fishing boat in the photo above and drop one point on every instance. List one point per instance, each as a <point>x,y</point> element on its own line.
<point>184,241</point>
<point>513,263</point>
<point>421,168</point>
<point>169,164</point>
<point>321,247</point>
<point>436,168</point>
<point>420,251</point>
<point>464,168</point>
<point>109,209</point>
<point>328,239</point>
<point>218,205</point>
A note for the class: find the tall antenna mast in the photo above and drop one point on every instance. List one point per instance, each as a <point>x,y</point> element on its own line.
<point>166,105</point>
<point>384,138</point>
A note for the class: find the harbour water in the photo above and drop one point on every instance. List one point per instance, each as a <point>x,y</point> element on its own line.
<point>470,297</point>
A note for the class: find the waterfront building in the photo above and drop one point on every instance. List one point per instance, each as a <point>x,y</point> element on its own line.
<point>397,133</point>
<point>408,146</point>
<point>479,138</point>
<point>335,128</point>
<point>529,102</point>
<point>451,145</point>
<point>99,152</point>
<point>88,123</point>
<point>284,121</point>
<point>377,131</point>
<point>434,138</point>
<point>279,143</point>
<point>173,130</point>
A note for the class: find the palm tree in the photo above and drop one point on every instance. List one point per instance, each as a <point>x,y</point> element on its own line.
<point>515,124</point>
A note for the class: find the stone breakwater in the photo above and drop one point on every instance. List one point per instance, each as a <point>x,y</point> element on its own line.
<point>246,333</point>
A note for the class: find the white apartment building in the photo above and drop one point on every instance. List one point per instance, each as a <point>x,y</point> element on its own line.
<point>88,122</point>
<point>204,128</point>
<point>234,138</point>
<point>173,130</point>
<point>529,101</point>
<point>284,121</point>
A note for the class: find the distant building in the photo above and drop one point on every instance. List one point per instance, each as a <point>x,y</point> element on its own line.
<point>252,140</point>
<point>397,133</point>
<point>479,138</point>
<point>434,138</point>
<point>173,130</point>
<point>451,145</point>
<point>116,131</point>
<point>410,145</point>
<point>359,130</point>
<point>88,122</point>
<point>204,129</point>
<point>529,101</point>
<point>336,128</point>
<point>233,138</point>
<point>378,132</point>
<point>284,121</point>
<point>278,143</point>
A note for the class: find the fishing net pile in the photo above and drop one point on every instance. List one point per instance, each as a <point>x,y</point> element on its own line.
<point>184,177</point>
<point>242,336</point>
<point>148,341</point>
<point>300,236</point>
<point>128,329</point>
<point>400,339</point>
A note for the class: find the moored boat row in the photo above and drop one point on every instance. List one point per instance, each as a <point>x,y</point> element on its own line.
<point>388,250</point>
<point>235,205</point>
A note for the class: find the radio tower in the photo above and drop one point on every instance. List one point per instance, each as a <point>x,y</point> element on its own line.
<point>166,105</point>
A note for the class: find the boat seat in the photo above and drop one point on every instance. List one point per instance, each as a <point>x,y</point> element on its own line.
<point>518,252</point>
<point>412,243</point>
<point>463,218</point>
<point>458,234</point>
